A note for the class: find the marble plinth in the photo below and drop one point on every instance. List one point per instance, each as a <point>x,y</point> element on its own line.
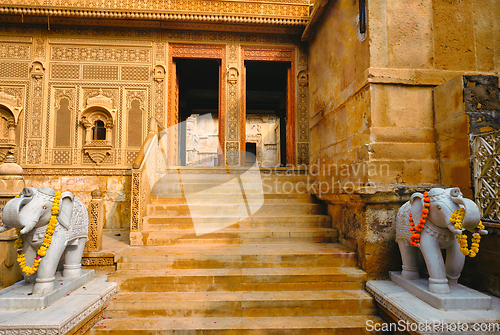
<point>412,314</point>
<point>79,310</point>
<point>461,297</point>
<point>19,295</point>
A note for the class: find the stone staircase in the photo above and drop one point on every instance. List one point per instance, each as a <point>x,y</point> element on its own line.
<point>279,271</point>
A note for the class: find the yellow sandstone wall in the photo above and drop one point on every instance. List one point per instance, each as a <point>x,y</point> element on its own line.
<point>115,189</point>
<point>372,104</point>
<point>339,105</point>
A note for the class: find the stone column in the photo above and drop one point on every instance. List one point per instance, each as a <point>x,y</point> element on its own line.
<point>11,183</point>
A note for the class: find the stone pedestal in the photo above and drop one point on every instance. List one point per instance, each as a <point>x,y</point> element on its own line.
<point>407,313</point>
<point>74,312</point>
<point>461,297</point>
<point>19,295</point>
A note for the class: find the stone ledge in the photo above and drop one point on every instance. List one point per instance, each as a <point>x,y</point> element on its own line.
<point>19,295</point>
<point>460,298</point>
<point>408,309</point>
<point>66,315</point>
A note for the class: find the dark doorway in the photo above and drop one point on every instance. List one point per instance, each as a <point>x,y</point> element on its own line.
<point>251,153</point>
<point>198,95</point>
<point>266,94</point>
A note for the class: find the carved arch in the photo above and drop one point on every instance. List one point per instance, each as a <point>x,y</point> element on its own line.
<point>11,103</point>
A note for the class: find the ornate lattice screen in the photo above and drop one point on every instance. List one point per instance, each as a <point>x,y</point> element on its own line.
<point>486,164</point>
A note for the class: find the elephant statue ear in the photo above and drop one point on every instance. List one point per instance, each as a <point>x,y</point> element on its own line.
<point>65,209</point>
<point>416,206</point>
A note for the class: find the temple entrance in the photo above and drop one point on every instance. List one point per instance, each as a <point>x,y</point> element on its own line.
<point>196,105</point>
<point>266,111</point>
<point>198,81</point>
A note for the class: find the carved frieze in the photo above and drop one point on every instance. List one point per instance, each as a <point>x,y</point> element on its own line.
<point>292,12</point>
<point>15,51</point>
<point>100,54</point>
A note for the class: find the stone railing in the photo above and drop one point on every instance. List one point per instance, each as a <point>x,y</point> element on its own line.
<point>141,191</point>
<point>486,174</point>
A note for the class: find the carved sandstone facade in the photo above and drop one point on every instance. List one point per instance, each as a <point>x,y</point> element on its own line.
<point>79,86</point>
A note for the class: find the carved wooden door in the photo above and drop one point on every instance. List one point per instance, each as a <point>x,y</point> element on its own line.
<point>220,150</point>
<point>289,116</point>
<point>173,129</point>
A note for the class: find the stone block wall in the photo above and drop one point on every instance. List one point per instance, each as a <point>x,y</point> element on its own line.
<point>372,105</point>
<point>339,99</point>
<point>114,184</point>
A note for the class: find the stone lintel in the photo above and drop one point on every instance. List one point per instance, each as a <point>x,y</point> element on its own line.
<point>380,194</point>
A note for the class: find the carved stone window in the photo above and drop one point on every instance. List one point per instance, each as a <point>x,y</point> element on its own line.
<point>10,108</point>
<point>98,120</point>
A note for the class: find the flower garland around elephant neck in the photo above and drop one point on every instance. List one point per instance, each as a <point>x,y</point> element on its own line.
<point>42,251</point>
<point>415,237</point>
<point>457,219</point>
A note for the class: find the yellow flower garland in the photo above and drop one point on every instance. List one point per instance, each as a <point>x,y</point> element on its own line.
<point>42,251</point>
<point>457,218</point>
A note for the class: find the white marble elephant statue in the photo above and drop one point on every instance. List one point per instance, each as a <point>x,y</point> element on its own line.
<point>31,213</point>
<point>434,209</point>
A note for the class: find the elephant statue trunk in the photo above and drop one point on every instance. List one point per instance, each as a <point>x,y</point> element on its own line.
<point>472,215</point>
<point>433,211</point>
<point>52,226</point>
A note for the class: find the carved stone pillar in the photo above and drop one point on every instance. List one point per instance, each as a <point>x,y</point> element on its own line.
<point>96,222</point>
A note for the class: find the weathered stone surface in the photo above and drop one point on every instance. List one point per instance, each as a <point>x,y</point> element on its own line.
<point>9,269</point>
<point>116,190</point>
<point>407,309</point>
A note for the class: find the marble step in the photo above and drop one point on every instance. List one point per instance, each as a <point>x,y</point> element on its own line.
<point>246,304</point>
<point>270,222</point>
<point>246,279</point>
<point>310,325</point>
<point>222,209</point>
<point>201,198</point>
<point>234,236</point>
<point>235,256</point>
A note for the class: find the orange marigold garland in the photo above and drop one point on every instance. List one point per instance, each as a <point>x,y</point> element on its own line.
<point>457,219</point>
<point>415,237</point>
<point>42,251</point>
